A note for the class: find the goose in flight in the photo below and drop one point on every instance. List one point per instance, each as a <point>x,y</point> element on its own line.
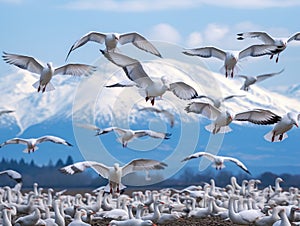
<point>221,119</point>
<point>164,112</point>
<point>16,176</point>
<point>2,112</point>
<point>218,161</point>
<point>127,135</point>
<point>286,123</point>
<point>280,43</point>
<point>250,80</point>
<point>150,89</point>
<point>33,142</point>
<point>218,102</point>
<point>115,173</point>
<point>112,39</point>
<point>46,72</point>
<point>230,58</point>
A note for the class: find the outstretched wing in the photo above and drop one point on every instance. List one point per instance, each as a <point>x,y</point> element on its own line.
<point>118,130</point>
<point>199,154</point>
<point>295,36</point>
<point>263,36</point>
<point>139,41</point>
<point>132,68</point>
<point>204,109</point>
<point>6,112</point>
<point>91,36</point>
<point>13,175</point>
<point>75,69</point>
<point>151,133</point>
<point>231,96</point>
<point>258,116</point>
<point>142,164</point>
<point>79,167</point>
<point>24,62</point>
<point>206,52</point>
<point>53,139</point>
<point>237,162</point>
<point>260,78</point>
<point>257,50</point>
<point>183,90</point>
<point>14,141</point>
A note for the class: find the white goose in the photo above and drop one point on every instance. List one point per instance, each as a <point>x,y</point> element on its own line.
<point>127,135</point>
<point>217,160</point>
<point>250,80</point>
<point>112,39</point>
<point>221,119</point>
<point>149,88</point>
<point>115,173</point>
<point>46,72</point>
<point>280,43</point>
<point>33,142</point>
<point>231,58</point>
<point>77,218</point>
<point>30,219</point>
<point>132,222</point>
<point>286,123</point>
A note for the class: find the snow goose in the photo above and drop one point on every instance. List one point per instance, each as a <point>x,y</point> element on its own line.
<point>132,222</point>
<point>217,160</point>
<point>230,58</point>
<point>115,173</point>
<point>6,221</point>
<point>149,88</point>
<point>280,43</point>
<point>250,80</point>
<point>33,142</point>
<point>16,176</point>
<point>112,39</point>
<point>284,221</point>
<point>127,135</point>
<point>221,119</point>
<point>278,133</point>
<point>77,218</point>
<point>46,72</point>
<point>167,114</point>
<point>245,217</point>
<point>219,101</point>
<point>30,219</point>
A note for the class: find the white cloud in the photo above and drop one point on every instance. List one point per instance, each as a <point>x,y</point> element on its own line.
<point>194,39</point>
<point>157,5</point>
<point>164,32</point>
<point>215,33</point>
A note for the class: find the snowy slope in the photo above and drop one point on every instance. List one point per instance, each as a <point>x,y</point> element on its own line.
<point>87,100</point>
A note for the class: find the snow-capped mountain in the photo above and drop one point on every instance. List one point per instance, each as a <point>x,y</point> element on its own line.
<point>87,99</point>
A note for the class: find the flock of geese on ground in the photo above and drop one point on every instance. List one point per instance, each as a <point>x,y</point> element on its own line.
<point>151,89</point>
<point>241,204</point>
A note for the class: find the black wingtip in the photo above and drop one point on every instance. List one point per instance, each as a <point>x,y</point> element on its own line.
<point>102,51</point>
<point>240,38</point>
<point>239,34</point>
<point>69,144</point>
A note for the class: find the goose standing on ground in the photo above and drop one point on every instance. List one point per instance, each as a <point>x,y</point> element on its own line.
<point>231,58</point>
<point>149,88</point>
<point>250,80</point>
<point>132,222</point>
<point>46,72</point>
<point>2,112</point>
<point>112,39</point>
<point>286,123</point>
<point>219,101</point>
<point>217,160</point>
<point>33,142</point>
<point>30,219</point>
<point>127,135</point>
<point>221,119</point>
<point>115,173</point>
<point>77,218</point>
<point>280,43</point>
<point>164,112</point>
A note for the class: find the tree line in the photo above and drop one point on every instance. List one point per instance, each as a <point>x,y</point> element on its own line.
<point>50,176</point>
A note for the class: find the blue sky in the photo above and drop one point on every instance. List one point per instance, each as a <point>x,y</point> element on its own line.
<point>47,29</point>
